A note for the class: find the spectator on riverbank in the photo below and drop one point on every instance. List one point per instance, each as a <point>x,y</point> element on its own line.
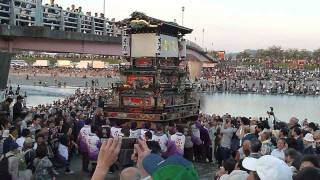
<point>18,109</point>
<point>309,161</point>
<point>227,132</point>
<point>279,151</point>
<point>63,120</point>
<point>236,79</point>
<point>5,108</point>
<point>10,139</point>
<point>43,166</point>
<point>308,144</point>
<point>24,134</point>
<point>12,160</point>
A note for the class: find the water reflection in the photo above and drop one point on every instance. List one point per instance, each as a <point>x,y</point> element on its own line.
<point>257,105</point>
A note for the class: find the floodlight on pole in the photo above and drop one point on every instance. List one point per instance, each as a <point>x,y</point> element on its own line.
<point>183,8</point>
<point>104,8</point>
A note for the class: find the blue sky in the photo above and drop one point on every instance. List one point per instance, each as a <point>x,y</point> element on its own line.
<point>231,25</point>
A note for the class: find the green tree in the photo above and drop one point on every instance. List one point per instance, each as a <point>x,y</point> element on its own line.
<point>316,55</point>
<point>244,55</point>
<point>305,55</point>
<point>275,53</point>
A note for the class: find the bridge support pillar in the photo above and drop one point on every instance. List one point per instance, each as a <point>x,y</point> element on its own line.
<point>5,60</point>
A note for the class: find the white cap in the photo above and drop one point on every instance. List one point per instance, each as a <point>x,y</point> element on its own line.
<point>268,168</point>
<point>254,119</point>
<point>308,137</point>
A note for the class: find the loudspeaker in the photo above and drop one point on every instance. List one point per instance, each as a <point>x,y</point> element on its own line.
<point>5,60</point>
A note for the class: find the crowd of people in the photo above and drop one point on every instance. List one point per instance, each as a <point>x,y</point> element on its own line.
<point>49,76</point>
<point>25,12</point>
<point>244,148</point>
<point>262,81</point>
<point>40,139</point>
<point>42,142</point>
<point>29,71</point>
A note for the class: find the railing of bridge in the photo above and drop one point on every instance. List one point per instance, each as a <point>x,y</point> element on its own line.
<point>33,13</point>
<point>194,45</point>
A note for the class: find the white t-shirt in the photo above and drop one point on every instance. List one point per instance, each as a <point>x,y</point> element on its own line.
<point>135,133</point>
<point>85,131</point>
<point>115,132</point>
<point>278,153</point>
<point>179,140</point>
<point>195,131</point>
<point>93,142</point>
<point>162,140</point>
<point>20,141</point>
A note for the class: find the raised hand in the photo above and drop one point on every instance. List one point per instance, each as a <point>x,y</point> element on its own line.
<point>108,155</point>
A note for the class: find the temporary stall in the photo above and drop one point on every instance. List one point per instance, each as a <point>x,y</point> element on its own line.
<point>64,63</point>
<point>41,63</point>
<point>84,64</point>
<point>98,65</point>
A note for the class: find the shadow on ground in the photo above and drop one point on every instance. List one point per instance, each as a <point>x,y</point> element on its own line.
<point>205,171</point>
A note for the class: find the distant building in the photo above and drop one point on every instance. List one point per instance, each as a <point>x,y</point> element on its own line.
<point>41,63</point>
<point>18,63</point>
<point>221,55</point>
<point>90,64</point>
<point>64,63</point>
<point>298,64</point>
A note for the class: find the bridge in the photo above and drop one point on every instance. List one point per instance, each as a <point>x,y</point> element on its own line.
<point>29,25</point>
<point>32,26</point>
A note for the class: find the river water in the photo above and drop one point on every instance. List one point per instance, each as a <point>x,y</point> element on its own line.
<point>44,95</point>
<point>251,105</point>
<point>218,103</point>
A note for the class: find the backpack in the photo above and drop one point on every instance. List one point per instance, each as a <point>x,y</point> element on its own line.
<point>29,156</point>
<point>4,167</point>
<point>22,162</point>
<point>41,173</point>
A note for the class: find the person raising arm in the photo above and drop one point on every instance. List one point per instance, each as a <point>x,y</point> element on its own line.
<point>108,155</point>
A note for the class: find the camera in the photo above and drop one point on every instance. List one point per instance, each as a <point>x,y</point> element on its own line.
<point>270,113</point>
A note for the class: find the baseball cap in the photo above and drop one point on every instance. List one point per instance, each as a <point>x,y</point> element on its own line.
<point>174,168</point>
<point>268,167</point>
<point>13,146</point>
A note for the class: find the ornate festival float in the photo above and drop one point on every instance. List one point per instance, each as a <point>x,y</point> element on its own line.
<point>154,84</point>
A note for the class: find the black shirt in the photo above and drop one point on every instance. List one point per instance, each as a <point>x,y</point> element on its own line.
<point>17,110</point>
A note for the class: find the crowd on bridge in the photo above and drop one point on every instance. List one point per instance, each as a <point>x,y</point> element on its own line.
<point>54,17</point>
<point>260,80</point>
<point>43,141</point>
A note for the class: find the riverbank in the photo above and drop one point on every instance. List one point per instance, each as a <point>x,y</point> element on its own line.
<point>40,80</point>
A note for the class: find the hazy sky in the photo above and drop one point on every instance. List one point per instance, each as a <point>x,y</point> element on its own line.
<point>231,25</point>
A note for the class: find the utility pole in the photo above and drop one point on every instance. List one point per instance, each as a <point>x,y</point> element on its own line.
<point>183,8</point>
<point>104,8</point>
<point>203,38</point>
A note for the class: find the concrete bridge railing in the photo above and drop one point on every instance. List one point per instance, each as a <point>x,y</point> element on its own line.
<point>195,47</point>
<point>33,13</point>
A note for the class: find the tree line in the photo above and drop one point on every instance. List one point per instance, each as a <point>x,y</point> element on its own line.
<point>277,54</point>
